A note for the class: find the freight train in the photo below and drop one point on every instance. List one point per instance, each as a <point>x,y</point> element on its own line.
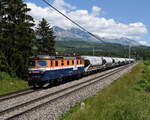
<point>45,69</point>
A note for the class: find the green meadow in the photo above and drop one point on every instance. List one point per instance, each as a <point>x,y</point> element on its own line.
<point>10,84</point>
<point>127,98</point>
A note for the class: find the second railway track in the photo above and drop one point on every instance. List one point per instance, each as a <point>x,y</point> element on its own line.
<point>16,94</point>
<point>23,108</point>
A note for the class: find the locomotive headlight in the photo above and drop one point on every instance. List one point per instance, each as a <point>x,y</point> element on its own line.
<point>30,72</point>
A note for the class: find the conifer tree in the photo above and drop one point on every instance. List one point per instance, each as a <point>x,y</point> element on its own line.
<point>16,35</point>
<point>45,36</point>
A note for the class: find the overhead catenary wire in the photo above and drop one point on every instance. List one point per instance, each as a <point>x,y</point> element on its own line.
<point>74,22</point>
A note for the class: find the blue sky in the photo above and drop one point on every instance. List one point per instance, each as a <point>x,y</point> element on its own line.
<point>121,18</point>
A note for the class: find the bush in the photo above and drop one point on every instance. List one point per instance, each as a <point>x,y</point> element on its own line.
<point>3,63</point>
<point>11,84</point>
<point>144,81</point>
<point>147,62</point>
<point>5,67</point>
<point>5,76</point>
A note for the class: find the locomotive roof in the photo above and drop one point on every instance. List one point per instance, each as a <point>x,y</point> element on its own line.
<point>46,57</point>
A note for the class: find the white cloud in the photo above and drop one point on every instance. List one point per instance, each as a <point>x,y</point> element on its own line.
<point>99,25</point>
<point>143,43</point>
<point>61,5</point>
<point>96,11</point>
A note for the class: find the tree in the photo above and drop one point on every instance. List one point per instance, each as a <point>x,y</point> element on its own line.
<point>45,37</point>
<point>16,36</point>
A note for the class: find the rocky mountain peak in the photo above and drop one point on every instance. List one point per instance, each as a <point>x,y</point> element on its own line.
<point>75,34</point>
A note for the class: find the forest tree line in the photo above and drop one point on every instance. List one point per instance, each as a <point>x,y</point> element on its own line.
<point>19,38</point>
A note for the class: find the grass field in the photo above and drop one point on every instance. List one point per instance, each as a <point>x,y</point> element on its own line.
<point>124,99</point>
<point>9,84</point>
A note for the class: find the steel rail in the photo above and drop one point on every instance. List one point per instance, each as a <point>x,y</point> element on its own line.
<point>14,94</point>
<point>17,94</point>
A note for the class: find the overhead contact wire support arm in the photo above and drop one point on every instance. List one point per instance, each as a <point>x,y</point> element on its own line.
<point>74,22</point>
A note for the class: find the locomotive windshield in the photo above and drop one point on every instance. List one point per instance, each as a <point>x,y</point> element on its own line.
<point>42,63</point>
<point>32,63</point>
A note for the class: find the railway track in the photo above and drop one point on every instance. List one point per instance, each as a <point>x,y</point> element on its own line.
<point>17,94</point>
<point>26,107</point>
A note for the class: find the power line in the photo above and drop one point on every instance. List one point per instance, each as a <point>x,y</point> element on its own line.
<point>74,22</point>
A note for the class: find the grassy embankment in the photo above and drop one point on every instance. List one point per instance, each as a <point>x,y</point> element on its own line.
<point>125,99</point>
<point>9,84</point>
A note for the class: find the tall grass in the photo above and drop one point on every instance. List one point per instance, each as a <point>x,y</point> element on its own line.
<point>119,101</point>
<point>10,84</point>
<point>144,81</point>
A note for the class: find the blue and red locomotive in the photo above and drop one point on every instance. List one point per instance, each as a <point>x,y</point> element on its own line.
<point>45,69</point>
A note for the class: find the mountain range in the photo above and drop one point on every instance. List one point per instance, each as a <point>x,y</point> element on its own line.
<point>75,34</point>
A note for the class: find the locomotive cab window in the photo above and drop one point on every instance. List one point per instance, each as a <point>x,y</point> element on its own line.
<point>42,63</point>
